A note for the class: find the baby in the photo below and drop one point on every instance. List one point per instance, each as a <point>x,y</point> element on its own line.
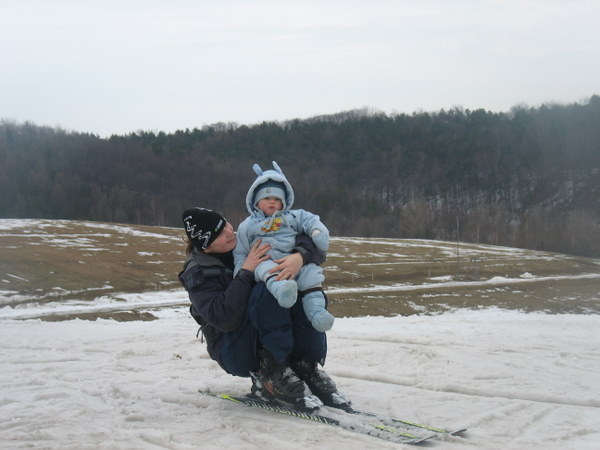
<point>269,201</point>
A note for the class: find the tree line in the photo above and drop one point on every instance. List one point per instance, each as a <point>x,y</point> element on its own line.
<point>528,178</point>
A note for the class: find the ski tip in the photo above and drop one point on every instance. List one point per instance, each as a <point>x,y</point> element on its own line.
<point>458,432</point>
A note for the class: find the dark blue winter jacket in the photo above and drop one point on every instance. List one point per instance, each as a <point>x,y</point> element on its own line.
<point>218,300</point>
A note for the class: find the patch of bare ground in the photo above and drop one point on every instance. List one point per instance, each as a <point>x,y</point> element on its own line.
<point>390,277</point>
<point>48,261</point>
<point>84,260</point>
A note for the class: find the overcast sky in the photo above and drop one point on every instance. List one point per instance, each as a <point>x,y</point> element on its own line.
<point>117,66</point>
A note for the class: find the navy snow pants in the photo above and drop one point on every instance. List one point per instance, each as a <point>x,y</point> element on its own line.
<point>286,333</point>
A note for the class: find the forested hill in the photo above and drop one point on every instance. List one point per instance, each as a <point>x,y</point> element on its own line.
<point>528,178</point>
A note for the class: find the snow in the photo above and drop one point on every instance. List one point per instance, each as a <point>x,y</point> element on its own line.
<point>30,308</point>
<point>516,380</point>
<point>524,278</point>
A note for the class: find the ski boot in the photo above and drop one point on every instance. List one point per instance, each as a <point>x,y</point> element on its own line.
<point>321,384</point>
<point>278,382</point>
<point>256,389</point>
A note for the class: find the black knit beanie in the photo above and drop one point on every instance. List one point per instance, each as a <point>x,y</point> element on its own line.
<point>202,226</point>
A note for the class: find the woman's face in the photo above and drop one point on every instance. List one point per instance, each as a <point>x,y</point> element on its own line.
<point>225,241</point>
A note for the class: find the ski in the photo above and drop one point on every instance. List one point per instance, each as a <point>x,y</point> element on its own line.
<point>403,424</point>
<point>386,432</point>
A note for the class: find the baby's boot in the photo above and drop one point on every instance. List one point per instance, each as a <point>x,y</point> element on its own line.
<point>321,239</point>
<point>285,291</point>
<point>314,305</point>
<point>322,320</point>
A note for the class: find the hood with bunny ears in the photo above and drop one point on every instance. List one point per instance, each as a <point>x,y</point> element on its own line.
<point>269,182</point>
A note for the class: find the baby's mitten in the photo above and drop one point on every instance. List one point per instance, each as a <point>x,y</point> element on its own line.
<point>320,239</point>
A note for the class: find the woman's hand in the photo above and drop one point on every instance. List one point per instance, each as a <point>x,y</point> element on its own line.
<point>258,253</point>
<point>289,267</point>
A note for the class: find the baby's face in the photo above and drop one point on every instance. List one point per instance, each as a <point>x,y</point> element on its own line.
<point>270,205</point>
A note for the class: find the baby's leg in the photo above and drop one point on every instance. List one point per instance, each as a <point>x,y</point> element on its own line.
<point>261,273</point>
<point>313,303</point>
<point>310,276</point>
<point>285,291</point>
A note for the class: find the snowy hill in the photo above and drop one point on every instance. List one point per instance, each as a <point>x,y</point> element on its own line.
<point>517,376</point>
<point>64,269</point>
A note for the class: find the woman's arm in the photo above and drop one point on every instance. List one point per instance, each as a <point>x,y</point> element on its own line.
<point>309,251</point>
<point>220,302</point>
<point>306,252</point>
<point>218,299</point>
<point>289,267</point>
<point>258,253</point>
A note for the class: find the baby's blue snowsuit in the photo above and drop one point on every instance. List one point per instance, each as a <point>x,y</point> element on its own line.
<point>280,230</point>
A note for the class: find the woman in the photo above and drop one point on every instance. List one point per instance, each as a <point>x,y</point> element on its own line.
<point>246,330</point>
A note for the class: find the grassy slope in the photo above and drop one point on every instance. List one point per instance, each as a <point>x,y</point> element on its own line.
<point>50,260</point>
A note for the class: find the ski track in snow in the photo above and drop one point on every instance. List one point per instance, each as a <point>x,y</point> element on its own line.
<point>515,380</point>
